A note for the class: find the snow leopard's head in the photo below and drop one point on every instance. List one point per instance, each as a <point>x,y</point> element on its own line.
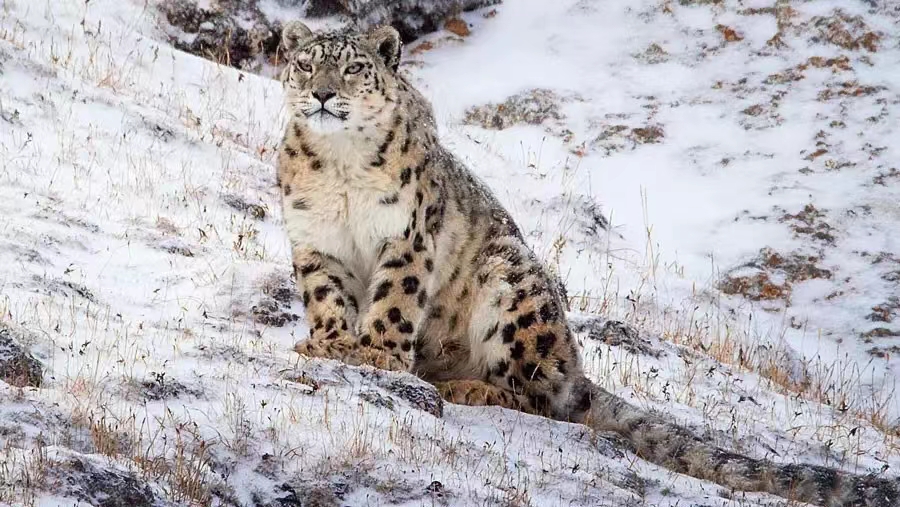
<point>340,82</point>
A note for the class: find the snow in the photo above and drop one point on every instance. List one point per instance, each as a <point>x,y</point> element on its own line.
<point>132,255</point>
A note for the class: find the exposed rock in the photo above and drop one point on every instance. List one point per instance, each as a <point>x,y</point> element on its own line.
<point>67,288</point>
<point>700,2</point>
<point>411,389</point>
<point>532,107</point>
<point>615,333</point>
<point>98,485</point>
<point>17,366</point>
<point>161,388</point>
<point>379,387</point>
<point>269,312</point>
<point>236,202</point>
<point>238,33</point>
<point>175,246</point>
<point>376,398</point>
<point>587,213</point>
<point>412,18</point>
<point>220,32</point>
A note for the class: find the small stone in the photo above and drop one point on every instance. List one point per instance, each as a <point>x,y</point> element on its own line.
<point>17,366</point>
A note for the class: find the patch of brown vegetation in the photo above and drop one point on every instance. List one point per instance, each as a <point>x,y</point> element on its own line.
<point>786,76</point>
<point>846,31</point>
<point>816,154</point>
<point>885,312</point>
<point>458,27</point>
<point>729,34</point>
<point>421,48</point>
<point>882,178</point>
<point>878,332</point>
<point>617,137</point>
<point>836,64</point>
<point>653,54</point>
<point>884,352</point>
<point>848,89</point>
<point>756,287</point>
<point>757,11</point>
<point>651,134</point>
<point>775,276</point>
<point>783,14</point>
<point>754,110</point>
<point>809,222</point>
<point>796,73</point>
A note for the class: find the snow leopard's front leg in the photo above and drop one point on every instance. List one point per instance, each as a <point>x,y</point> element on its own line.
<point>398,294</point>
<point>331,295</point>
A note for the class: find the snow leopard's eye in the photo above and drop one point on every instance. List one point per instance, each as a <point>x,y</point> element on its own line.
<point>305,66</point>
<point>353,68</point>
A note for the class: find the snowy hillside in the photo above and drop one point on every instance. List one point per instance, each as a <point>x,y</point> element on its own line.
<point>718,174</point>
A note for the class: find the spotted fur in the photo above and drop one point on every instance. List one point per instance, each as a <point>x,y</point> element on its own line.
<point>407,262</point>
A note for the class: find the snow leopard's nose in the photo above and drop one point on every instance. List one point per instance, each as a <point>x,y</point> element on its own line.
<point>323,95</point>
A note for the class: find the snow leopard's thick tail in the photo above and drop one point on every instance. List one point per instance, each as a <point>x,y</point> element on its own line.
<point>666,444</point>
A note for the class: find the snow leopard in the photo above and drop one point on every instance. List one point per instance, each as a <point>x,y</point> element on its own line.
<point>406,261</point>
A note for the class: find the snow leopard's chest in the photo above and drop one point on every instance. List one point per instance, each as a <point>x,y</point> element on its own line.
<point>347,213</point>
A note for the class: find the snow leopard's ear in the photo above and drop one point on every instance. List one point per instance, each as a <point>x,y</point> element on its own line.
<point>386,41</point>
<point>294,35</point>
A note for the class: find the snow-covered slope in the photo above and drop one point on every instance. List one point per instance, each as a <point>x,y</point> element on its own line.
<point>718,174</point>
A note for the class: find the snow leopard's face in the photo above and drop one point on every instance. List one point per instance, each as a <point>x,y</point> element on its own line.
<point>341,82</point>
